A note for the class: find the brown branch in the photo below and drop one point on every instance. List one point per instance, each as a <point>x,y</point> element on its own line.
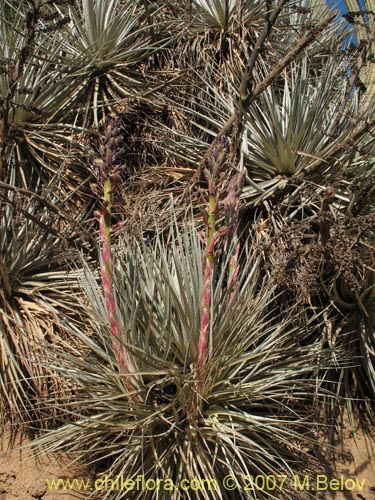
<point>46,227</point>
<point>356,134</point>
<point>360,62</point>
<point>47,204</point>
<point>289,57</point>
<point>325,219</point>
<point>31,20</point>
<point>5,279</point>
<point>247,75</point>
<point>149,20</point>
<point>188,5</point>
<point>237,116</point>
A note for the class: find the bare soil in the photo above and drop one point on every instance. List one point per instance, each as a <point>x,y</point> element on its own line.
<point>25,477</point>
<point>353,470</point>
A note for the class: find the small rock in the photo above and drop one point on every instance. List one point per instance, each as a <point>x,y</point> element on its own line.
<point>38,489</point>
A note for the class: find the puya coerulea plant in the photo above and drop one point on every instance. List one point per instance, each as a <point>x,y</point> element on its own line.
<point>215,177</point>
<point>188,385</point>
<point>109,175</point>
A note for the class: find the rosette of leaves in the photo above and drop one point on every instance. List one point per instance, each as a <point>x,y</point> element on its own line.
<point>291,126</point>
<point>106,43</point>
<point>227,15</point>
<point>253,406</point>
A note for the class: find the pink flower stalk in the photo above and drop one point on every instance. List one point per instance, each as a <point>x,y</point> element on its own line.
<point>214,175</point>
<point>231,209</point>
<point>205,320</point>
<point>109,173</point>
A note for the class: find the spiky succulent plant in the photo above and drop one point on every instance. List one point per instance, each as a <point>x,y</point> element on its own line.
<point>198,359</point>
<point>252,404</point>
<point>215,385</point>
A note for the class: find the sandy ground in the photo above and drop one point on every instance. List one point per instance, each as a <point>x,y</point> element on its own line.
<point>22,477</point>
<point>352,475</point>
